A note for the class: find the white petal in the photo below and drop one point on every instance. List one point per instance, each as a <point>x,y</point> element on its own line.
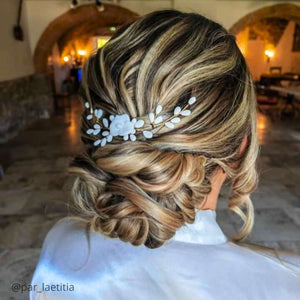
<point>87,105</point>
<point>125,137</point>
<point>175,120</point>
<point>109,138</point>
<point>147,134</point>
<point>97,126</point>
<point>159,119</point>
<point>96,131</point>
<point>103,142</point>
<point>126,117</point>
<point>192,100</point>
<point>158,109</point>
<point>111,117</point>
<point>169,125</point>
<point>89,117</point>
<point>105,122</point>
<point>177,110</point>
<point>139,124</point>
<point>105,133</point>
<point>98,113</point>
<point>151,117</point>
<point>90,131</point>
<point>133,121</point>
<point>133,137</point>
<point>97,142</point>
<point>186,112</point>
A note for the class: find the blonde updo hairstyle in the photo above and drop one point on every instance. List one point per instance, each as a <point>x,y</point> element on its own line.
<point>142,191</point>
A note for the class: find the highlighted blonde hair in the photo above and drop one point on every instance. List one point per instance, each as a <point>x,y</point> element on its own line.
<point>143,191</point>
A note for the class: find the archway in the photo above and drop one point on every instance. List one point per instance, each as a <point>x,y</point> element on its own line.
<point>284,11</point>
<point>83,17</point>
<point>267,39</point>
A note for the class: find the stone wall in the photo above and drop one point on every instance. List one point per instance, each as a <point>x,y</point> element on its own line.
<point>16,59</point>
<point>23,101</point>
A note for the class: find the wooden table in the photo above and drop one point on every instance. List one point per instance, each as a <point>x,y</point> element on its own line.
<point>273,79</point>
<point>292,94</point>
<point>289,90</point>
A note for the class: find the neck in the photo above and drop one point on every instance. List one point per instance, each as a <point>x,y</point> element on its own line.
<point>211,200</point>
<point>205,230</point>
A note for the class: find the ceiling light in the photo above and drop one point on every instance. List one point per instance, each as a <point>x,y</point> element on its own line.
<point>74,3</point>
<point>100,5</point>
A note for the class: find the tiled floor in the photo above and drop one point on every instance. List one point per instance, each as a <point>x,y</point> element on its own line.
<point>34,192</point>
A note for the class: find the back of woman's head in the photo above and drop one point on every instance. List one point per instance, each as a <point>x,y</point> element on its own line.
<point>143,189</point>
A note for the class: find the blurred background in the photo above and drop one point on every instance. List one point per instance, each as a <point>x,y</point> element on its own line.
<point>44,44</point>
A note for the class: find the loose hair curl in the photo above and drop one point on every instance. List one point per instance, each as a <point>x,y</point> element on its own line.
<point>143,191</point>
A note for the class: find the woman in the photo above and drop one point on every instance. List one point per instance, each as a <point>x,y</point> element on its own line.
<point>169,115</point>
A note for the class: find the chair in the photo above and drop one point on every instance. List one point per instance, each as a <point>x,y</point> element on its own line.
<point>275,70</point>
<point>269,101</point>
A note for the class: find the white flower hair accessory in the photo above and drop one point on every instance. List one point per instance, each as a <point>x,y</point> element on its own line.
<point>105,129</point>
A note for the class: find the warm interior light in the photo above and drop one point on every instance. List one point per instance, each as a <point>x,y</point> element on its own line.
<point>242,49</point>
<point>269,53</point>
<point>101,42</point>
<point>66,58</point>
<point>261,124</point>
<point>82,52</point>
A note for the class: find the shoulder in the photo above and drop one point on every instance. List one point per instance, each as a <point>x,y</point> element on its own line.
<point>242,263</point>
<point>235,269</point>
<point>66,233</point>
<point>285,259</point>
<point>70,254</point>
<point>67,224</point>
<point>69,243</point>
<point>265,265</point>
<point>68,227</point>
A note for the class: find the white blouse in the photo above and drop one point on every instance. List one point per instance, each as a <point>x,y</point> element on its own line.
<point>197,263</point>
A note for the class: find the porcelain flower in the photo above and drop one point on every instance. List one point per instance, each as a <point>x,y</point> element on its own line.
<point>121,125</point>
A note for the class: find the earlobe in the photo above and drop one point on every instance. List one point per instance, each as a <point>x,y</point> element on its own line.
<point>243,145</point>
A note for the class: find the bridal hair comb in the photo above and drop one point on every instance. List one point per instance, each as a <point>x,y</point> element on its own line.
<point>105,129</point>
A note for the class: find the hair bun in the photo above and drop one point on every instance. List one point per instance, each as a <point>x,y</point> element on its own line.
<point>138,193</point>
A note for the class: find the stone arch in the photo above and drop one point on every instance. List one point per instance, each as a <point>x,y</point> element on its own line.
<point>73,18</point>
<point>284,11</point>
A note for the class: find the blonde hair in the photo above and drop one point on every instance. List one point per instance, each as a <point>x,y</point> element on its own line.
<point>143,191</point>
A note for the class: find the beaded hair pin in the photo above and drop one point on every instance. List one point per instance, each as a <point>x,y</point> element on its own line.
<point>105,129</point>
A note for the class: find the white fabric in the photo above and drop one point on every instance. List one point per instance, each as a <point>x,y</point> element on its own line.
<point>198,263</point>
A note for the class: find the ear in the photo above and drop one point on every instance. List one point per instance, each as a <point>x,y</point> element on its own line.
<point>243,145</point>
<point>241,150</point>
